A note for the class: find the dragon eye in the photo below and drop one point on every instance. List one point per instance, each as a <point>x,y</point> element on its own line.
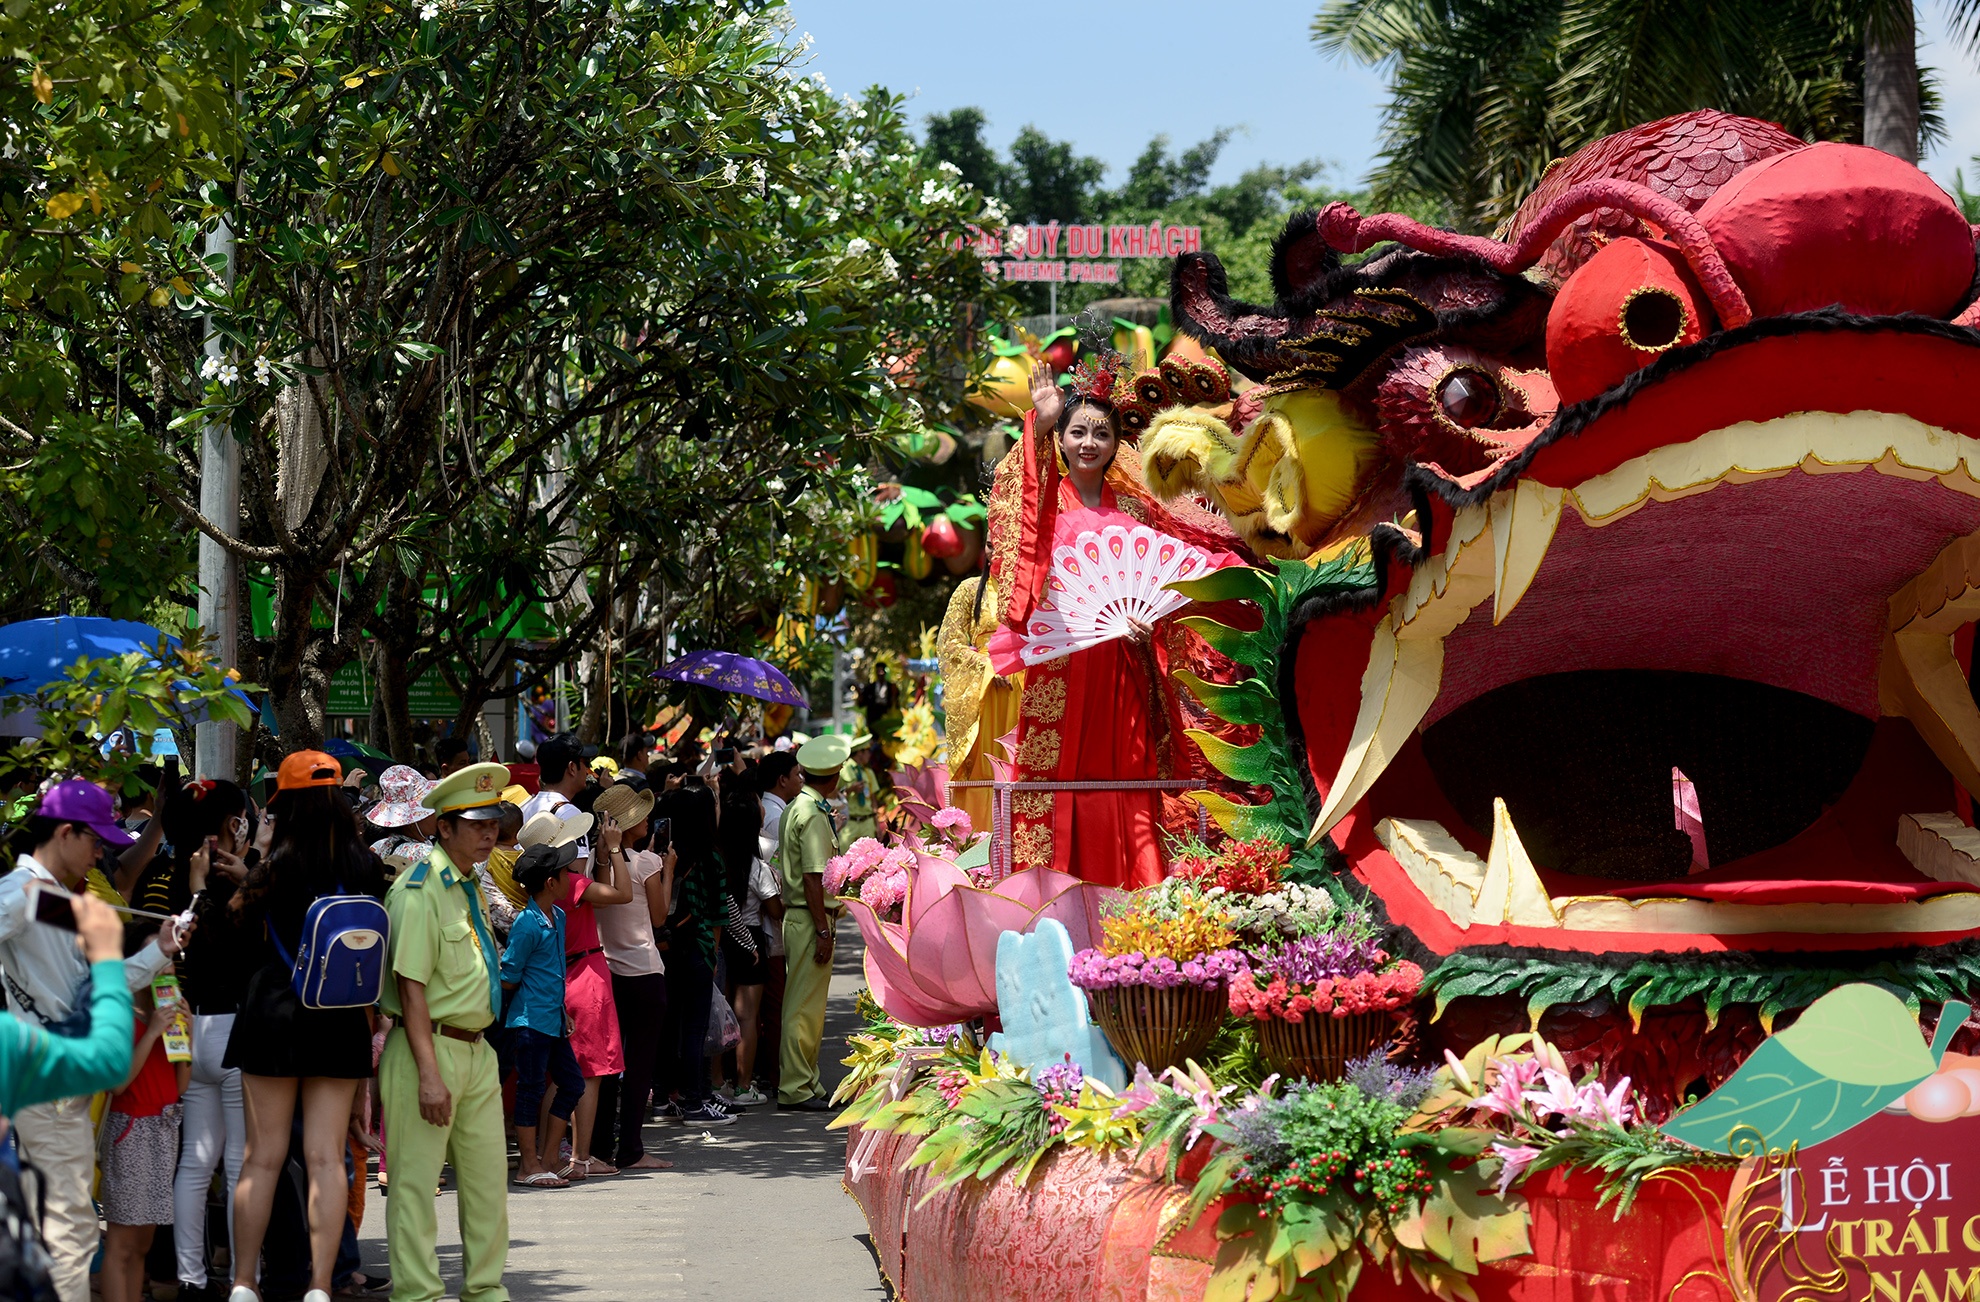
<point>1469,398</point>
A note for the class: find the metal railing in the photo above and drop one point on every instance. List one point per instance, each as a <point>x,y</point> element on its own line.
<point>1001,851</point>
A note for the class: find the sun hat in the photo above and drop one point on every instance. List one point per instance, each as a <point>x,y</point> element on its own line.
<point>308,768</point>
<point>548,829</point>
<point>623,805</point>
<point>401,788</point>
<point>516,794</point>
<point>605,764</point>
<point>77,801</point>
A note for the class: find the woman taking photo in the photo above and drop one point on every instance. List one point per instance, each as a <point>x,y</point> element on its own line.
<point>283,1050</point>
<point>207,825</point>
<point>588,986</point>
<point>700,902</point>
<point>639,982</point>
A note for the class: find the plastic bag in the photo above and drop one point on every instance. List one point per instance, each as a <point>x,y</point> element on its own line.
<point>724,1031</point>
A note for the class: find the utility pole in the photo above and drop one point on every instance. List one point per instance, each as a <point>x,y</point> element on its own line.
<point>216,744</point>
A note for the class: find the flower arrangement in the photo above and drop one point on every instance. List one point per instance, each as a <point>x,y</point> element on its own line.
<point>1339,972</point>
<point>1095,969</point>
<point>1318,1179</point>
<point>1240,868</point>
<point>873,873</point>
<point>1175,920</point>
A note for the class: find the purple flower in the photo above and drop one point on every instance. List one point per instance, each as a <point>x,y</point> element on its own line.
<point>1308,960</point>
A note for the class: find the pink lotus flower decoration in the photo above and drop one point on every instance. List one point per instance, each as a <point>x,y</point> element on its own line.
<point>938,966</point>
<point>922,790</point>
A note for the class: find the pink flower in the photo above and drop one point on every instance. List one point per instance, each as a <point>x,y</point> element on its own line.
<point>1559,1098</point>
<point>952,819</point>
<point>837,869</point>
<point>1139,1095</point>
<point>1517,1157</point>
<point>1509,1089</point>
<point>1614,1106</point>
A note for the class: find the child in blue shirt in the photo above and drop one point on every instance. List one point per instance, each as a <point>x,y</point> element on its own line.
<point>533,968</point>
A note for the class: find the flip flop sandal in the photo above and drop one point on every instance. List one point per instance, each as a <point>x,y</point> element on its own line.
<point>572,1171</point>
<point>595,1166</point>
<point>543,1180</point>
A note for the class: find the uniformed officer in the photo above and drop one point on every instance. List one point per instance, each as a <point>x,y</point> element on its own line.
<point>441,1091</point>
<point>804,844</point>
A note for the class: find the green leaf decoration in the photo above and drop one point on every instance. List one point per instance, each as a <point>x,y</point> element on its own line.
<point>1252,764</point>
<point>1860,1035</point>
<point>1233,642</point>
<point>1242,821</point>
<point>1855,1050</point>
<point>1232,583</point>
<point>1251,701</point>
<point>1777,1100</point>
<point>1465,1222</point>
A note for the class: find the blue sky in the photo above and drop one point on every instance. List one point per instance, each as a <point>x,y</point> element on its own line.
<point>1124,73</point>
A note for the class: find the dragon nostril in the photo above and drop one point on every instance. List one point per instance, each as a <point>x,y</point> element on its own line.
<point>1652,319</point>
<point>1468,398</point>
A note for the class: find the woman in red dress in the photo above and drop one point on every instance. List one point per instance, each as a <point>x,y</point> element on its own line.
<point>1108,712</point>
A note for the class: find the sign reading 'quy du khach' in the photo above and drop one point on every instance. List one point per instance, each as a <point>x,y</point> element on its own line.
<point>1074,251</point>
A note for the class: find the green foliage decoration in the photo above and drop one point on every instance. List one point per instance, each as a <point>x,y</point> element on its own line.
<point>1272,763</point>
<point>1774,983</point>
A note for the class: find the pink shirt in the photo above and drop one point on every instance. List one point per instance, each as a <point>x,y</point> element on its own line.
<point>580,920</point>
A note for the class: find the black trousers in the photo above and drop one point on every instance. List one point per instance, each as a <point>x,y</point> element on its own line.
<point>690,988</point>
<point>622,1100</point>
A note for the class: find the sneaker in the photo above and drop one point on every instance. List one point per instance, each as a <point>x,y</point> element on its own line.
<point>708,1114</point>
<point>749,1098</point>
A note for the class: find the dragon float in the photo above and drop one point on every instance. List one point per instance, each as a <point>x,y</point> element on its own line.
<point>1614,612</point>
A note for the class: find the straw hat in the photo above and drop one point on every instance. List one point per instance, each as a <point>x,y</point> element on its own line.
<point>547,829</point>
<point>623,804</point>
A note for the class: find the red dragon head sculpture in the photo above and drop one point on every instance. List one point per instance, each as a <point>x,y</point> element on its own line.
<point>1657,701</point>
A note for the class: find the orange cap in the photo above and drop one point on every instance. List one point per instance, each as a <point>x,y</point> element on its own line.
<point>308,768</point>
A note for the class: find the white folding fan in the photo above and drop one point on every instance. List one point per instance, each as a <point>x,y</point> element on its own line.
<point>1102,583</point>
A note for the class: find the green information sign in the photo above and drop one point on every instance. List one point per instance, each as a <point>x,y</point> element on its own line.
<point>352,690</point>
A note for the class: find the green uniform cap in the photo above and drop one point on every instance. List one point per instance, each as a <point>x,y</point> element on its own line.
<point>826,755</point>
<point>472,792</point>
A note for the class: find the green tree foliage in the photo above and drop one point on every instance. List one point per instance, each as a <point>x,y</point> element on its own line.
<point>591,306</point>
<point>1484,94</point>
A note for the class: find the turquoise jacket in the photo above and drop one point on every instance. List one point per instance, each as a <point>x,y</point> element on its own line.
<point>37,1066</point>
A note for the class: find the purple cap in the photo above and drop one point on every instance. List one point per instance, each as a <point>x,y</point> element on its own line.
<point>76,801</point>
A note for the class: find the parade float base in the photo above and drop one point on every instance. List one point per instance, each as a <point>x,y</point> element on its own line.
<point>1092,1228</point>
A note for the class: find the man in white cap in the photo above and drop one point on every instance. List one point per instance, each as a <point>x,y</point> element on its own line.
<point>804,844</point>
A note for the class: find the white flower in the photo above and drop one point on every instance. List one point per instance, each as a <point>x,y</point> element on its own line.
<point>995,211</point>
<point>799,317</point>
<point>774,485</point>
<point>729,171</point>
<point>229,373</point>
<point>804,43</point>
<point>856,246</point>
<point>209,368</point>
<point>756,173</point>
<point>946,166</point>
<point>429,11</point>
<point>831,216</point>
<point>889,266</point>
<point>771,120</point>
<point>264,370</point>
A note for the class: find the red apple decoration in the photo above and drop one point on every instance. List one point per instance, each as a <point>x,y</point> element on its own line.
<point>940,538</point>
<point>1060,355</point>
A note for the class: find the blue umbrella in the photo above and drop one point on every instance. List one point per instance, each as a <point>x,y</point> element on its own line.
<point>35,652</point>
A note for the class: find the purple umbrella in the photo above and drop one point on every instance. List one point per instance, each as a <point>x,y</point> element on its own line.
<point>725,671</point>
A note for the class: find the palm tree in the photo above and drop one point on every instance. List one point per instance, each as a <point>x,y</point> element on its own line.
<point>1484,94</point>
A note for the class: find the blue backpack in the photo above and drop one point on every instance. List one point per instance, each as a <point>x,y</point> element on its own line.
<point>341,960</point>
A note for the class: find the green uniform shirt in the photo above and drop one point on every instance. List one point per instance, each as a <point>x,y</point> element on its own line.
<point>439,939</point>
<point>804,843</point>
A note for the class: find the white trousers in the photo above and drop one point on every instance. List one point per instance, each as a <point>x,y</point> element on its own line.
<point>214,1125</point>
<point>60,1140</point>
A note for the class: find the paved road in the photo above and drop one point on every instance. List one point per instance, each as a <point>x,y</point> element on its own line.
<point>752,1212</point>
